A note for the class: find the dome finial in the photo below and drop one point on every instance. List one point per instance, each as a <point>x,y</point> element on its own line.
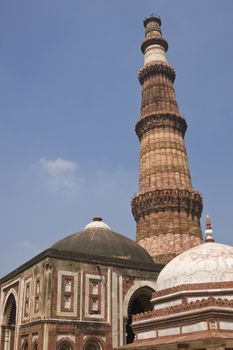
<point>208,230</point>
<point>97,218</point>
<point>97,222</point>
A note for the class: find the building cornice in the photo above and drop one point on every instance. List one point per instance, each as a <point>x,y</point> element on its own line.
<point>212,286</point>
<point>91,259</point>
<point>186,307</point>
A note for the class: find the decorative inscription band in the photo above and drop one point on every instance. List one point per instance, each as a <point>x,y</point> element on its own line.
<point>153,121</point>
<point>156,68</point>
<point>161,200</point>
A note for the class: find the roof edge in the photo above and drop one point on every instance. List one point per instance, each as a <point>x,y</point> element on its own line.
<point>94,259</point>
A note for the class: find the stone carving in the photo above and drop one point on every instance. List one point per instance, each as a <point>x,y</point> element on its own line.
<point>152,69</point>
<point>158,121</point>
<point>193,305</point>
<point>161,200</point>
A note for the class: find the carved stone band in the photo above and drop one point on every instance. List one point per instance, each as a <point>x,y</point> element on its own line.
<point>154,41</point>
<point>172,121</point>
<point>156,68</point>
<point>162,200</point>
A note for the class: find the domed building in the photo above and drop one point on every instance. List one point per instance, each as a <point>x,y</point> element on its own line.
<point>80,293</point>
<point>193,301</point>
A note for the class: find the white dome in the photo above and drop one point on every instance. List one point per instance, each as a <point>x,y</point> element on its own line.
<point>206,263</point>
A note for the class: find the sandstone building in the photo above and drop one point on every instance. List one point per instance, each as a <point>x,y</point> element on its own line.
<point>97,289</point>
<point>78,294</point>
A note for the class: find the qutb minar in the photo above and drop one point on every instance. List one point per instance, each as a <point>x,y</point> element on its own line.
<point>167,209</point>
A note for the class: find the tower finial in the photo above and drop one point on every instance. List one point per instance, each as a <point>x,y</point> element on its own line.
<point>154,46</point>
<point>208,230</point>
<point>152,17</point>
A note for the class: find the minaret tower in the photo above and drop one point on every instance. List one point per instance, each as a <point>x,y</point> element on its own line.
<point>167,209</point>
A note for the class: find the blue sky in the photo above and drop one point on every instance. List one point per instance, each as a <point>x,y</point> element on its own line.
<point>69,101</point>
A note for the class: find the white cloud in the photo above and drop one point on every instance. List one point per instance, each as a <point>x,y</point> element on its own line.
<point>58,166</point>
<point>60,175</point>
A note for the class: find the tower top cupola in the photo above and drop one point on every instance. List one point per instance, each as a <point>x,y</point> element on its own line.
<point>154,46</point>
<point>152,18</point>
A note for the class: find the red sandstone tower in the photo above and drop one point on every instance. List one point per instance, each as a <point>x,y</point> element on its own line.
<point>167,209</point>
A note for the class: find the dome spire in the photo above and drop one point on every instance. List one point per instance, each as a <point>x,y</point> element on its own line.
<point>208,230</point>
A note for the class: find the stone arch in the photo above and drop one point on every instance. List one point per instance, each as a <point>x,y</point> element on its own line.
<point>12,292</point>
<point>138,300</point>
<point>9,314</point>
<point>9,320</point>
<point>25,345</point>
<point>35,345</point>
<point>93,343</point>
<point>65,344</point>
<point>132,290</point>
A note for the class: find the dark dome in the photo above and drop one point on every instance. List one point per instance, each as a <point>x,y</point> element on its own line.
<point>98,240</point>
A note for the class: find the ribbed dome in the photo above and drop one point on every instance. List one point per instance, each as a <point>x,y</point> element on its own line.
<point>206,263</point>
<point>98,240</point>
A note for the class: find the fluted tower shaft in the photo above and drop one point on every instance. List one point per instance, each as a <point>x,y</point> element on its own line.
<point>167,209</point>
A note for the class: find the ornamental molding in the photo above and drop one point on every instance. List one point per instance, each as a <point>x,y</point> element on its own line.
<point>154,41</point>
<point>153,121</point>
<point>156,67</point>
<point>184,307</point>
<point>194,287</point>
<point>162,200</point>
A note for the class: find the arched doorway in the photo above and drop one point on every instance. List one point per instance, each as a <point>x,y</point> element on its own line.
<point>9,322</point>
<point>139,302</point>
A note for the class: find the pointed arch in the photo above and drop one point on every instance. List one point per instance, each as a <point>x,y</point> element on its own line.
<point>9,313</point>
<point>65,344</point>
<point>9,319</point>
<point>138,300</point>
<point>25,345</point>
<point>132,290</point>
<point>93,343</point>
<point>35,345</point>
<point>13,292</point>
